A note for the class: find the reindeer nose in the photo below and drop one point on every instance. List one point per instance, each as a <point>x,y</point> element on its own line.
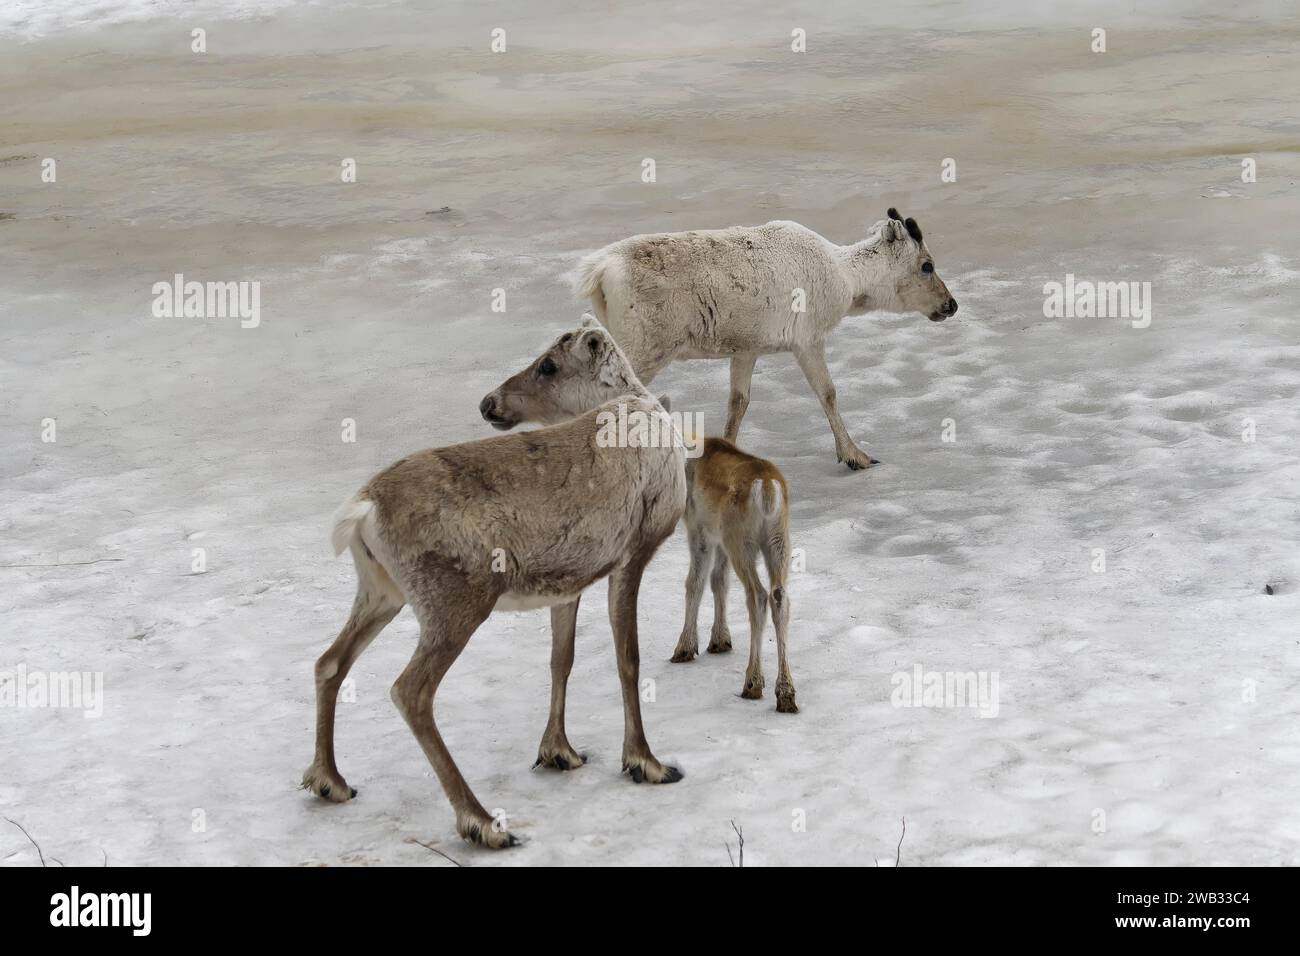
<point>950,308</point>
<point>487,407</point>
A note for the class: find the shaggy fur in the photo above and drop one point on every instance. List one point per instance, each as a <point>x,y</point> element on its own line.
<point>517,521</point>
<point>729,293</point>
<point>737,508</point>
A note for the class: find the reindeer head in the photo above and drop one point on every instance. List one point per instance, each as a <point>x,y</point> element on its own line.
<point>917,286</point>
<point>582,369</point>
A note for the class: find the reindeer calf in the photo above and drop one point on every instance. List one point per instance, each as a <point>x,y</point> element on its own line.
<point>737,507</point>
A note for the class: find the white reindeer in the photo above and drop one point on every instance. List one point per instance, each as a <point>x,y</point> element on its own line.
<point>735,294</point>
<point>512,522</point>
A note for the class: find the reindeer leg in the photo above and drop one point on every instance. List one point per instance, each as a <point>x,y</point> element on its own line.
<point>688,645</point>
<point>742,370</point>
<point>373,608</point>
<point>624,585</point>
<point>812,361</point>
<point>448,618</point>
<point>776,555</point>
<point>785,702</point>
<point>555,750</point>
<point>720,637</point>
<point>742,559</point>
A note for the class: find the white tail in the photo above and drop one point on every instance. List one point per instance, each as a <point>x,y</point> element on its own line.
<point>765,497</point>
<point>589,280</point>
<point>590,272</point>
<point>347,521</point>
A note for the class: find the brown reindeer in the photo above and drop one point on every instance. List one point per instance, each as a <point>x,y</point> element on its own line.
<point>737,507</point>
<point>512,522</point>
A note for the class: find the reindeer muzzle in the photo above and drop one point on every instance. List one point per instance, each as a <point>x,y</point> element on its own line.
<point>488,409</point>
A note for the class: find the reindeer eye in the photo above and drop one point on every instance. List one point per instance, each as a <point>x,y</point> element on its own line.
<point>927,267</point>
<point>546,368</point>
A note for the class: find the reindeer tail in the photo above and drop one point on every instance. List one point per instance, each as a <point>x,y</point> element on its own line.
<point>767,497</point>
<point>588,280</point>
<point>347,523</point>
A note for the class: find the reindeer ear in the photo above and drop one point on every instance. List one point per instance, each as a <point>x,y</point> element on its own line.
<point>666,402</point>
<point>894,231</point>
<point>589,321</point>
<point>593,342</point>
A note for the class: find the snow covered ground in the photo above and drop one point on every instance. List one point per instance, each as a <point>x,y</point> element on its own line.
<point>1146,714</point>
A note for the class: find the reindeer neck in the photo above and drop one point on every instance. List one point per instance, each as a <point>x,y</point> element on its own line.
<point>618,377</point>
<point>635,389</point>
<point>865,266</point>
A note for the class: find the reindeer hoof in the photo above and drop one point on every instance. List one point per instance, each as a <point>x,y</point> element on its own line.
<point>683,657</point>
<point>559,760</point>
<point>327,786</point>
<point>719,640</point>
<point>487,835</point>
<point>652,772</point>
<point>786,705</point>
<point>753,689</point>
<point>858,460</point>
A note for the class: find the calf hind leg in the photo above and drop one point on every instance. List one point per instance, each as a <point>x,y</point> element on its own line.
<point>720,637</point>
<point>776,555</point>
<point>688,645</point>
<point>743,560</point>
